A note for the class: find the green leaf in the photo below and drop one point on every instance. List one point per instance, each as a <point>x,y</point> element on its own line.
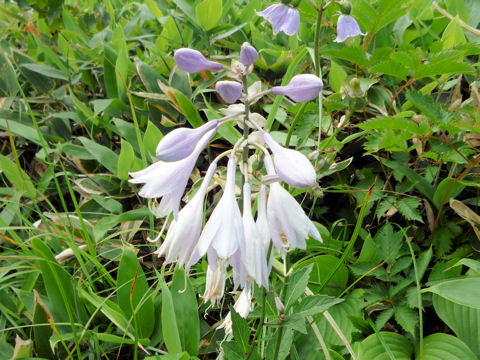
<point>151,138</point>
<point>109,77</point>
<point>186,311</point>
<point>41,331</point>
<point>297,283</point>
<point>464,291</point>
<point>463,320</point>
<point>408,207</point>
<point>17,177</point>
<point>8,78</point>
<point>209,13</point>
<point>444,347</point>
<point>453,34</point>
<point>46,70</point>
<point>313,305</point>
<point>133,293</point>
<point>102,154</point>
<point>169,322</point>
<point>188,109</point>
<point>372,348</point>
<point>323,265</point>
<point>441,197</point>
<point>240,329</point>
<point>125,160</point>
<point>336,76</point>
<point>406,318</point>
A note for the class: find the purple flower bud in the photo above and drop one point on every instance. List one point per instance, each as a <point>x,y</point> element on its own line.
<point>180,143</point>
<point>301,88</point>
<point>347,27</point>
<point>192,61</point>
<point>230,91</point>
<point>291,166</point>
<point>248,54</point>
<point>283,18</point>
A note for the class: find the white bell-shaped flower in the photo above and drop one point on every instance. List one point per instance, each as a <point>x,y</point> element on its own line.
<point>168,179</point>
<point>291,166</point>
<point>184,232</point>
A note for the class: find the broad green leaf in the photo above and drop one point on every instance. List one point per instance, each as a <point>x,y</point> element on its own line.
<point>453,34</point>
<point>46,70</point>
<point>186,311</point>
<point>151,138</point>
<point>297,283</point>
<point>63,302</point>
<point>188,109</point>
<point>125,160</point>
<point>323,265</point>
<point>464,291</point>
<point>314,304</point>
<point>169,322</point>
<point>41,331</point>
<point>209,13</point>
<point>463,320</point>
<point>8,78</point>
<point>133,293</point>
<point>109,76</point>
<point>448,184</point>
<point>240,329</point>
<point>444,347</point>
<point>373,348</point>
<point>336,76</point>
<point>102,154</point>
<point>17,177</point>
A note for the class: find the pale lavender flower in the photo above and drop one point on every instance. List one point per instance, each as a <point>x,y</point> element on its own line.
<point>289,225</point>
<point>254,257</point>
<point>301,88</point>
<point>181,142</point>
<point>347,27</point>
<point>282,17</point>
<point>248,54</point>
<point>223,233</point>
<point>230,91</point>
<point>169,179</point>
<point>183,233</point>
<point>262,223</point>
<point>291,166</point>
<point>192,61</point>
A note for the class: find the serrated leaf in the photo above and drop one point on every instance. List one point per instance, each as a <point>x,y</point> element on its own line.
<point>406,318</point>
<point>384,206</point>
<point>297,283</point>
<point>241,331</point>
<point>408,207</point>
<point>453,34</point>
<point>383,317</point>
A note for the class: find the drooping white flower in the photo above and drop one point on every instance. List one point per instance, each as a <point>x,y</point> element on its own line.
<point>254,256</point>
<point>243,306</point>
<point>223,233</point>
<point>169,179</point>
<point>283,18</point>
<point>262,223</point>
<point>183,233</point>
<point>215,283</point>
<point>347,27</point>
<point>181,142</point>
<point>291,166</point>
<point>288,224</point>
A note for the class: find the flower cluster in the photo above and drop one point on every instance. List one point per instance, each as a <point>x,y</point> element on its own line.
<point>232,237</point>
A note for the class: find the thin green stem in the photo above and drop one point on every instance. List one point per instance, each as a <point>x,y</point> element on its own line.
<point>282,298</point>
<point>294,122</point>
<point>318,69</point>
<point>351,244</point>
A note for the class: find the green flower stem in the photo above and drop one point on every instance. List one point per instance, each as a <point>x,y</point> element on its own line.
<point>318,69</point>
<point>351,244</point>
<point>282,298</point>
<point>294,122</point>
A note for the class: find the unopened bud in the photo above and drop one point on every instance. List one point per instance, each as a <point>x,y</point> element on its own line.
<point>230,91</point>
<point>301,88</point>
<point>279,305</point>
<point>248,54</point>
<point>192,61</point>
